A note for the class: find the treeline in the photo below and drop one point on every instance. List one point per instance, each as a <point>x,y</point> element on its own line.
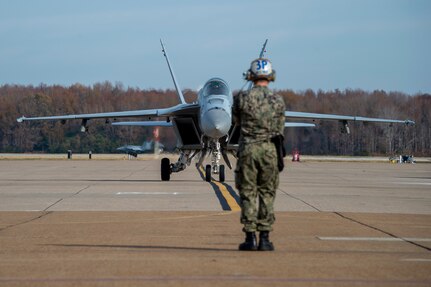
<point>56,137</point>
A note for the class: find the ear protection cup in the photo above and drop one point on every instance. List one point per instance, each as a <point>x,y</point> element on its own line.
<point>250,76</point>
<point>271,77</point>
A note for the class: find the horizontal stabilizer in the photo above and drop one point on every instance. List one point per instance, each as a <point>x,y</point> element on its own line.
<point>298,125</point>
<point>145,124</point>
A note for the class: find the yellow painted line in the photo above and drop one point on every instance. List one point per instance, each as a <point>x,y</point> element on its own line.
<point>229,199</point>
<point>226,194</point>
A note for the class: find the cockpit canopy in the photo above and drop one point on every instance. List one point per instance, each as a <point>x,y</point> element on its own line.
<point>215,87</point>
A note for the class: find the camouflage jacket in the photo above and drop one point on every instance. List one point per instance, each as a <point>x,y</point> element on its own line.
<point>259,113</point>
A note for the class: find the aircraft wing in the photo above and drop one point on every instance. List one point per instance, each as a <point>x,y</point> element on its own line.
<point>164,112</point>
<point>93,116</point>
<point>145,124</point>
<point>314,116</point>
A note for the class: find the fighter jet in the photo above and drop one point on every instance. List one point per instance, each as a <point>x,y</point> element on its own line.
<point>146,147</point>
<point>202,128</point>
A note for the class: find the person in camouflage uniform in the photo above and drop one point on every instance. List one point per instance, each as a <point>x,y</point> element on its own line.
<point>260,115</point>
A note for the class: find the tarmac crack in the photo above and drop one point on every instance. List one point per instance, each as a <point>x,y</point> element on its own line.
<point>301,200</point>
<point>63,198</point>
<point>382,231</point>
<point>27,221</point>
<point>127,176</point>
<point>132,173</point>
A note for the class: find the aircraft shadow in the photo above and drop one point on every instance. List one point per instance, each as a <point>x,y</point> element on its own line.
<point>143,247</point>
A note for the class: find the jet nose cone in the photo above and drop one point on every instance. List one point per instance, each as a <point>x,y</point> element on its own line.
<point>216,123</point>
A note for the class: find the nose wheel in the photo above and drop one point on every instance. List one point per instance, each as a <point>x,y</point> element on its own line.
<point>215,167</point>
<point>220,171</point>
<point>208,173</point>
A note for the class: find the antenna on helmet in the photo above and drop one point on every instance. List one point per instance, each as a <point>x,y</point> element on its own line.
<point>263,49</point>
<point>262,52</point>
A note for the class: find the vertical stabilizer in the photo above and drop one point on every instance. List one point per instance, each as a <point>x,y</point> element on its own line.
<point>177,87</point>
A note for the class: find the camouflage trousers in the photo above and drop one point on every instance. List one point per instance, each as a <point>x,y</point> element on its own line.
<point>257,178</point>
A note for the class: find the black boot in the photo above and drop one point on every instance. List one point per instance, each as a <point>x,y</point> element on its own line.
<point>264,243</point>
<point>250,243</point>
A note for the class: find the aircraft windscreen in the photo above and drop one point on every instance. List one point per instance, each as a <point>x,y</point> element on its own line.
<point>216,88</point>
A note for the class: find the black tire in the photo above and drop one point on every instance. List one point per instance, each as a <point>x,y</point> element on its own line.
<point>221,173</point>
<point>166,169</point>
<point>208,173</point>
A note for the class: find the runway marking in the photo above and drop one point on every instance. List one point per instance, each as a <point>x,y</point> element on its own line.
<point>415,183</point>
<point>226,195</point>
<point>402,239</point>
<point>415,243</point>
<point>233,204</point>
<point>416,260</point>
<point>146,193</point>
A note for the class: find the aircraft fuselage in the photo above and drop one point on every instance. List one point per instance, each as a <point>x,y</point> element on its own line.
<point>215,101</point>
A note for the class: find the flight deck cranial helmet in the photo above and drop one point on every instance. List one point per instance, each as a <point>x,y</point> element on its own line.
<point>260,68</point>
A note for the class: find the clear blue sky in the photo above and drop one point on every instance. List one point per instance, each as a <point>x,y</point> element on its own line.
<point>332,44</point>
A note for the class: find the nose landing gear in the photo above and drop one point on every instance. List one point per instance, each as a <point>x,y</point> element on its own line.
<point>215,167</point>
<point>220,172</point>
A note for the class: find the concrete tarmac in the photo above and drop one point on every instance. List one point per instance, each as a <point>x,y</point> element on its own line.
<point>114,223</point>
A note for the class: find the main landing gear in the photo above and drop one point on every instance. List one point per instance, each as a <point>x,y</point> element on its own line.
<point>166,170</point>
<point>184,160</point>
<point>167,167</point>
